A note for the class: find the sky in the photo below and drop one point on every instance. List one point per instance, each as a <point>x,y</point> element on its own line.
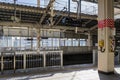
<point>87,8</point>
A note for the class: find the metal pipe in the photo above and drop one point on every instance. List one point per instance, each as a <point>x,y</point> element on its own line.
<point>68,8</point>
<point>15,9</point>
<point>78,8</point>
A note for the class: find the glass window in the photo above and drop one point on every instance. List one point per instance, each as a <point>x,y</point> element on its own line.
<point>1,41</point>
<point>49,42</point>
<point>9,41</point>
<point>35,43</point>
<point>68,42</point>
<point>75,42</point>
<point>62,42</point>
<point>5,41</point>
<point>83,42</point>
<point>44,42</point>
<point>27,43</point>
<point>16,41</point>
<point>55,42</point>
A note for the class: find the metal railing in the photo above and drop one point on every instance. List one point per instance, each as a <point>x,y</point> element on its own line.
<point>24,60</point>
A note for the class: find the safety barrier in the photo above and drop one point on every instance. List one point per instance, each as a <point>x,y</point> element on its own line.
<point>19,61</point>
<point>53,59</point>
<point>23,60</point>
<point>34,60</point>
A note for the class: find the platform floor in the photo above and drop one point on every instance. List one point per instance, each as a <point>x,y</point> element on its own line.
<point>76,72</point>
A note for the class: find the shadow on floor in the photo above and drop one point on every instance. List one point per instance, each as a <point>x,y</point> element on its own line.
<point>78,72</point>
<point>109,76</point>
<point>28,77</point>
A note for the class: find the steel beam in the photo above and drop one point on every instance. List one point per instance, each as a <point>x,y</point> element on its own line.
<point>11,24</point>
<point>116,2</point>
<point>94,27</point>
<point>42,11</point>
<point>47,10</point>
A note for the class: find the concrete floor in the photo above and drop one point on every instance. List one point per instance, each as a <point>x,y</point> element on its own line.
<point>77,72</point>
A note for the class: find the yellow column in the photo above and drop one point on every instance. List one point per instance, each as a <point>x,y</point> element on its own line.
<point>105,34</point>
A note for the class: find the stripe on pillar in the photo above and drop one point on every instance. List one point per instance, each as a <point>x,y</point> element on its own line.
<point>106,23</point>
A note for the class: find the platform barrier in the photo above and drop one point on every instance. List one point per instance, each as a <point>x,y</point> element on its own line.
<point>23,60</point>
<point>53,59</point>
<point>8,60</point>
<point>34,60</point>
<point>19,61</point>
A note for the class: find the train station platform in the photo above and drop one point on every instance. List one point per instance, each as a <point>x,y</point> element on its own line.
<point>72,72</point>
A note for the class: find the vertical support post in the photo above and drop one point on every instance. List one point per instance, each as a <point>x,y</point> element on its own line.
<point>119,58</point>
<point>2,64</point>
<point>15,10</point>
<point>38,40</point>
<point>20,39</point>
<point>79,42</point>
<point>52,44</point>
<point>31,38</point>
<point>105,28</point>
<point>7,37</point>
<point>61,55</point>
<point>95,54</point>
<point>24,63</point>
<point>59,42</point>
<point>51,14</point>
<point>14,62</point>
<point>89,41</point>
<point>44,59</point>
<point>64,41</point>
<point>68,8</point>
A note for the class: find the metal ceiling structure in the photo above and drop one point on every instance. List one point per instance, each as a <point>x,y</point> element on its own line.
<point>116,2</point>
<point>116,11</point>
<point>28,14</point>
<point>33,15</point>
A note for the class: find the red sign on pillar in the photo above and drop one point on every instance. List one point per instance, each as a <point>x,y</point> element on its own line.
<point>106,23</point>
